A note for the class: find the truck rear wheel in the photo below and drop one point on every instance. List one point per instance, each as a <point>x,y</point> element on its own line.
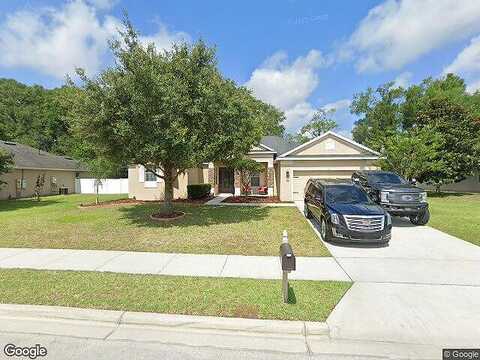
<point>421,218</point>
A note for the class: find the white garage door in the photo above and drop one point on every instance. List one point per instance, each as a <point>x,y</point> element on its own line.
<point>300,178</point>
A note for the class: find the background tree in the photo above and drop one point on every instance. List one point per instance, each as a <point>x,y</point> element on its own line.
<point>6,163</point>
<point>167,110</point>
<point>413,154</point>
<point>442,106</point>
<point>320,123</point>
<point>379,113</point>
<point>246,167</point>
<point>36,116</point>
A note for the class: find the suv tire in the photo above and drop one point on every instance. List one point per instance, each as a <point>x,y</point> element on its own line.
<point>306,211</point>
<point>421,218</point>
<point>325,230</point>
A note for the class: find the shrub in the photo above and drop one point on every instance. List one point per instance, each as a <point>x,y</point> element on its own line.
<point>198,191</point>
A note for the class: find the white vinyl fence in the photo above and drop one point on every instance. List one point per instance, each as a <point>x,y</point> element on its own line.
<point>106,186</point>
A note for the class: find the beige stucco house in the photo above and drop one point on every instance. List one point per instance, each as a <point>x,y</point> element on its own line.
<point>287,167</point>
<point>59,172</point>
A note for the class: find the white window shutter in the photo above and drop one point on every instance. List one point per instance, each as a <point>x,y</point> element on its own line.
<point>141,173</point>
<point>159,179</point>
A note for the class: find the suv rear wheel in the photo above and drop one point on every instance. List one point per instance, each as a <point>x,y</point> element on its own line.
<point>421,218</point>
<point>325,230</point>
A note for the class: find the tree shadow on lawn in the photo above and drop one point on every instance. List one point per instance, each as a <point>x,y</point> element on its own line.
<point>18,204</point>
<point>195,215</point>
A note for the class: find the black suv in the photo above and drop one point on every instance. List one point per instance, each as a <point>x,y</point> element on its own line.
<point>395,194</point>
<point>345,212</point>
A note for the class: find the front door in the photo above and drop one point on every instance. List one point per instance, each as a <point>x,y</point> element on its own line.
<point>226,180</point>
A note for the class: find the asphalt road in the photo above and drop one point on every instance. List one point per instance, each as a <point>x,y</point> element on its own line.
<point>62,348</point>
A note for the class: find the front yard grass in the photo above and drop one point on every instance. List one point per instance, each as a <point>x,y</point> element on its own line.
<point>309,300</point>
<point>56,222</point>
<point>457,214</point>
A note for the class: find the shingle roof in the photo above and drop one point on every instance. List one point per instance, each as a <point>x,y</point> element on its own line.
<point>26,157</point>
<point>277,143</point>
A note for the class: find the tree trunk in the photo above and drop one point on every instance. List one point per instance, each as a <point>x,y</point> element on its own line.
<point>96,192</point>
<point>167,207</point>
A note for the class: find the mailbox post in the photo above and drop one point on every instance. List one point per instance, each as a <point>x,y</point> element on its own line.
<point>288,262</point>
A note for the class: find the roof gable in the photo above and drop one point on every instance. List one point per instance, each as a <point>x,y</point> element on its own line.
<point>330,144</point>
<point>26,157</point>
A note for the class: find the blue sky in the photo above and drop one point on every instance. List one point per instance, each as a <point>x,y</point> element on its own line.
<point>298,55</point>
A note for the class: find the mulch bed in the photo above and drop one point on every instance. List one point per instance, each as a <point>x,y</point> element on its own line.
<point>252,199</point>
<point>167,217</point>
<point>112,203</point>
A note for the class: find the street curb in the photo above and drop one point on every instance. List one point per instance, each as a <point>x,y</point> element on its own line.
<point>162,321</point>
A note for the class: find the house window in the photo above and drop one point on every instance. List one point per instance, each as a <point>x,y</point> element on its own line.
<point>255,179</point>
<point>150,176</point>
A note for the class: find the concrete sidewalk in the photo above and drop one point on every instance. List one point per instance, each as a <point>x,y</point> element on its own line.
<point>230,266</point>
<point>218,199</point>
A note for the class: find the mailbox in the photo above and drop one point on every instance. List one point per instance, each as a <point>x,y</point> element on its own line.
<point>287,257</point>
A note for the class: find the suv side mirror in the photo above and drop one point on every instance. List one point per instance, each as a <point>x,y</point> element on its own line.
<point>356,181</point>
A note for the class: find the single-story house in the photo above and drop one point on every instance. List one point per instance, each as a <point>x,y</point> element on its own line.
<point>287,167</point>
<point>59,172</point>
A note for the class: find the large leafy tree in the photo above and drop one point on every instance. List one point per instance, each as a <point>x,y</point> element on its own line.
<point>442,106</point>
<point>166,110</point>
<point>6,162</point>
<point>413,154</point>
<point>379,112</point>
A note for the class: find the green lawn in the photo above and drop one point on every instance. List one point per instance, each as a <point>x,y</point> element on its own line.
<point>57,222</point>
<point>456,214</point>
<point>308,300</point>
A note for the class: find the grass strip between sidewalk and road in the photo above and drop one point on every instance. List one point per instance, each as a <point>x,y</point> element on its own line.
<point>227,297</point>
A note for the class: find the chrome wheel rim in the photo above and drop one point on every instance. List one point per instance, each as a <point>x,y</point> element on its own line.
<point>323,229</point>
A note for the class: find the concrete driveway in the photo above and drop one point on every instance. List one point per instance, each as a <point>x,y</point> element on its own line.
<point>415,254</point>
<point>421,290</point>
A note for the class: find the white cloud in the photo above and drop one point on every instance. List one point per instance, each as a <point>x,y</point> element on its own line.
<point>473,86</point>
<point>103,4</point>
<point>342,116</point>
<point>55,41</point>
<point>467,64</point>
<point>164,39</point>
<point>398,32</point>
<point>337,105</point>
<point>299,115</point>
<point>288,85</point>
<point>403,79</point>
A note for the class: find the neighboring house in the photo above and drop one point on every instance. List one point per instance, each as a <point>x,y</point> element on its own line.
<point>287,167</point>
<point>60,172</point>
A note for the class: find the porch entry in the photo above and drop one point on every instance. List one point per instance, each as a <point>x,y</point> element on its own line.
<point>226,180</point>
